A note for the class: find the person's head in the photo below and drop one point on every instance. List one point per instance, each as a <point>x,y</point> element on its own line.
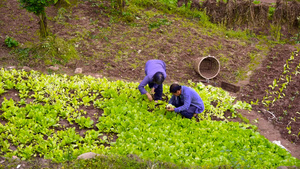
<point>175,89</point>
<point>158,78</point>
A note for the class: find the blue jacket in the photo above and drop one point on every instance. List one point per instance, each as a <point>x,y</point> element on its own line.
<point>190,97</point>
<point>152,67</point>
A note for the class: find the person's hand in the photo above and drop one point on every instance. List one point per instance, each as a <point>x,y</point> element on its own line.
<point>152,91</point>
<point>170,108</point>
<point>149,96</point>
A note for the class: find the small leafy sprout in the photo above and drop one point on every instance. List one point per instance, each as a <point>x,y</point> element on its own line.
<point>11,42</point>
<point>292,98</point>
<point>255,120</point>
<point>285,112</point>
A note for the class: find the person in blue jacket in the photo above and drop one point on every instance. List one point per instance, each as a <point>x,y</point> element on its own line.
<point>155,71</point>
<point>186,100</point>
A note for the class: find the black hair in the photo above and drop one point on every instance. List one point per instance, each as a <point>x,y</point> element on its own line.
<point>174,88</point>
<point>158,78</point>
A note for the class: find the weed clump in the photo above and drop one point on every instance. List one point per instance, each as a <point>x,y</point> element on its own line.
<point>11,42</point>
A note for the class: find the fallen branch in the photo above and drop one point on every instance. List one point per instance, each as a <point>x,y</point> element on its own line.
<point>274,117</point>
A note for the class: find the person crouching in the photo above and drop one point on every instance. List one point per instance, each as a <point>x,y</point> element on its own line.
<point>186,100</point>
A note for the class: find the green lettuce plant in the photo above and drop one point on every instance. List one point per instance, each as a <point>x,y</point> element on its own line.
<point>142,128</point>
<point>84,122</point>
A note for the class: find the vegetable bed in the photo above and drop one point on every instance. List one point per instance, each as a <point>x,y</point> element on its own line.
<point>124,123</point>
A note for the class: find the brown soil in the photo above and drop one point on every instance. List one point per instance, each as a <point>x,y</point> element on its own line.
<point>178,50</point>
<point>284,112</point>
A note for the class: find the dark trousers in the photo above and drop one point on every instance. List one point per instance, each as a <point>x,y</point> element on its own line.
<point>158,91</point>
<point>189,113</point>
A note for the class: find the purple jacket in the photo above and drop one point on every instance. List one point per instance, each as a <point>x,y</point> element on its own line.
<point>152,67</point>
<point>189,97</point>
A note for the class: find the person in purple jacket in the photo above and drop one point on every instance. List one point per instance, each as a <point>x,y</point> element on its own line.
<point>155,71</point>
<point>186,100</point>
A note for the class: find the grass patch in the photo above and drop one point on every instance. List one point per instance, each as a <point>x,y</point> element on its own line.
<point>52,50</point>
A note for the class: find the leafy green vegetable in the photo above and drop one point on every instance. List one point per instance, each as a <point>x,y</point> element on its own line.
<point>143,128</point>
<point>84,122</point>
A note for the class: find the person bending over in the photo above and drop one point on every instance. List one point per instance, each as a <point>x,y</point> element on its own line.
<point>155,71</point>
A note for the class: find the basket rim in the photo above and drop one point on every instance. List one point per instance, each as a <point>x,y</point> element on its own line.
<point>200,61</point>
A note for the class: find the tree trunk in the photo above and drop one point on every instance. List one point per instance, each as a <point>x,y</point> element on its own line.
<point>43,25</point>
